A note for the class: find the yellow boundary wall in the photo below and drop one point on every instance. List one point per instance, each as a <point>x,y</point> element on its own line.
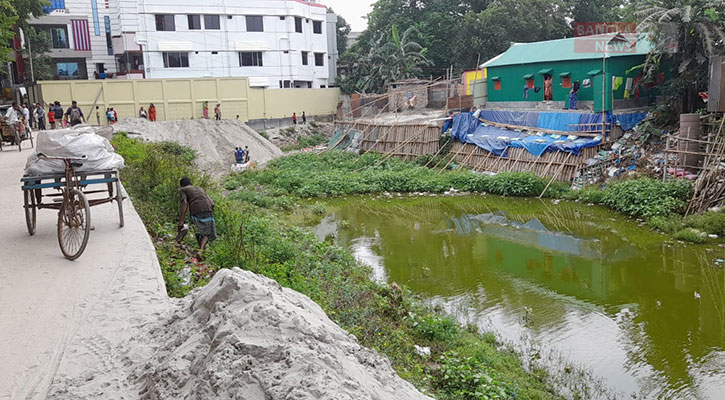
<point>177,99</point>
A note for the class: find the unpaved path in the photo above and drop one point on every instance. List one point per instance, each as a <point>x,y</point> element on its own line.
<point>59,319</point>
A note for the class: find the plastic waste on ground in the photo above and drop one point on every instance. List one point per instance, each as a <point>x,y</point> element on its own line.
<point>78,142</point>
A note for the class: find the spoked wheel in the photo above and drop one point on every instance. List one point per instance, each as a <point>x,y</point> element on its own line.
<point>74,224</point>
<point>119,200</point>
<point>30,211</point>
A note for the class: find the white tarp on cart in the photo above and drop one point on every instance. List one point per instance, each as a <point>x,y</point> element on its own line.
<point>72,143</point>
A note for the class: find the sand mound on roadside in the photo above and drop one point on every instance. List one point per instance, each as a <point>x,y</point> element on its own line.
<point>214,141</point>
<point>244,336</point>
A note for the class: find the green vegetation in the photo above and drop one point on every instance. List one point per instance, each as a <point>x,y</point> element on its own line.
<point>340,173</point>
<point>254,234</point>
<point>305,142</point>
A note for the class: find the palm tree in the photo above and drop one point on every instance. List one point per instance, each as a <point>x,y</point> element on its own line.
<point>684,34</point>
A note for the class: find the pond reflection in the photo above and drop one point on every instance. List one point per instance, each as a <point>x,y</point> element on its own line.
<point>645,314</point>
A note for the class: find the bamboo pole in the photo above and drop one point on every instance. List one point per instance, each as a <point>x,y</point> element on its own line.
<point>554,177</point>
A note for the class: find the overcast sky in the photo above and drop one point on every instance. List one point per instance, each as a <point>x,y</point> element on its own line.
<point>353,11</point>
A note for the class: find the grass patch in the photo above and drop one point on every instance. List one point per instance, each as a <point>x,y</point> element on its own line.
<point>691,235</point>
<point>305,142</point>
<point>254,234</point>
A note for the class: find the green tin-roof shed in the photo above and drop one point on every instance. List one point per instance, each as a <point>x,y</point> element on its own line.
<point>567,61</point>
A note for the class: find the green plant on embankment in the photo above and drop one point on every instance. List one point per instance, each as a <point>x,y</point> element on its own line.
<point>305,142</point>
<point>253,235</point>
<point>339,173</point>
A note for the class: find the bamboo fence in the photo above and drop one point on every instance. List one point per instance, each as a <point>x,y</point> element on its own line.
<point>560,165</point>
<point>407,141</point>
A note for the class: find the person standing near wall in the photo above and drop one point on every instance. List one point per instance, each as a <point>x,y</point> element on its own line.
<point>205,110</point>
<point>74,115</point>
<point>40,115</point>
<point>98,116</point>
<point>548,88</point>
<point>152,112</point>
<point>294,118</point>
<point>304,118</point>
<point>51,116</point>
<point>142,113</point>
<point>218,112</point>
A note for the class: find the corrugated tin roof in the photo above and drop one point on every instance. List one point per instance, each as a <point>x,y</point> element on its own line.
<point>578,48</point>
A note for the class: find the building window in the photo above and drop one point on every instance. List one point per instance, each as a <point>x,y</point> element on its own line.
<point>109,40</point>
<point>497,85</point>
<point>305,55</point>
<point>250,59</point>
<point>320,59</point>
<point>59,37</point>
<point>281,19</point>
<point>566,81</point>
<point>211,22</point>
<point>67,70</point>
<point>255,23</point>
<point>317,27</point>
<point>298,24</point>
<point>176,60</point>
<point>165,22</point>
<point>129,62</point>
<point>194,21</point>
<point>530,83</point>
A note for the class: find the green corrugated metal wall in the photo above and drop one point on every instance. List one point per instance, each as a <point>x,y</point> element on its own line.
<point>512,81</point>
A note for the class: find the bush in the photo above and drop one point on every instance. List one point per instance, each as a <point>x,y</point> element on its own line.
<point>669,224</point>
<point>434,328</point>
<point>466,377</point>
<point>691,235</point>
<point>710,222</point>
<point>648,197</point>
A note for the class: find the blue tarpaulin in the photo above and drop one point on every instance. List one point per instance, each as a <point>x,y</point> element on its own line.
<point>468,129</point>
<point>558,121</point>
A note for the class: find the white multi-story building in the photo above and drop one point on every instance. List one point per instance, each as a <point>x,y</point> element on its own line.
<point>80,33</point>
<point>276,43</point>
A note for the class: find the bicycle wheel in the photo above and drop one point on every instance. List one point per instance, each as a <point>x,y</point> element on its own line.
<point>74,224</point>
<point>119,200</point>
<point>30,211</point>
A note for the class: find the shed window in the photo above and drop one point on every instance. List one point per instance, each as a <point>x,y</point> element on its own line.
<point>566,81</point>
<point>529,83</point>
<point>497,85</point>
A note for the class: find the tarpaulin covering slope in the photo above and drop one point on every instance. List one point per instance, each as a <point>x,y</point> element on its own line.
<point>468,129</point>
<point>559,121</point>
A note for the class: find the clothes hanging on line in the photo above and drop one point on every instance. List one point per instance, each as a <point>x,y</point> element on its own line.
<point>618,80</point>
<point>587,83</point>
<point>628,85</point>
<point>526,91</point>
<point>537,89</point>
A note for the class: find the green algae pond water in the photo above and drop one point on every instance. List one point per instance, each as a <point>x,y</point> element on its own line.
<point>574,284</point>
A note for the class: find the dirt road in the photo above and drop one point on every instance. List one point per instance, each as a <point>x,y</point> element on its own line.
<point>60,320</point>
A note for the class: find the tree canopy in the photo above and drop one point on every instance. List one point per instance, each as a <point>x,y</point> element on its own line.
<point>465,32</point>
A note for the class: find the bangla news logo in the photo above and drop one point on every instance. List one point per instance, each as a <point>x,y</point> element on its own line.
<point>605,37</point>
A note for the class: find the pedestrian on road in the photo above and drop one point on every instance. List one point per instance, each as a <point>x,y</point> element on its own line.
<point>218,112</point>
<point>58,111</point>
<point>74,115</point>
<point>40,115</point>
<point>294,118</point>
<point>34,115</point>
<point>304,118</point>
<point>152,112</point>
<point>201,210</point>
<point>26,115</point>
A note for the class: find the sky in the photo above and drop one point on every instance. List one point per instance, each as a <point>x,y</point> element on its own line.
<point>353,11</point>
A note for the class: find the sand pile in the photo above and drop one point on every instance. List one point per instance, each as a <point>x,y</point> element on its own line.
<point>214,141</point>
<point>245,337</point>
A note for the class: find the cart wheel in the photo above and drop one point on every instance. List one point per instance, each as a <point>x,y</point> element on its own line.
<point>119,200</point>
<point>74,224</point>
<point>30,211</point>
